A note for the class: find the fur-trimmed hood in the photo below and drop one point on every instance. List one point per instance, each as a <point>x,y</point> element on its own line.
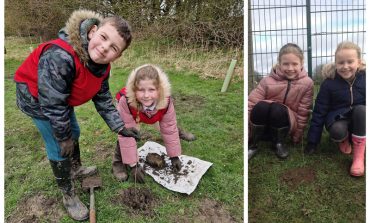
<point>328,70</point>
<point>77,27</point>
<point>164,88</point>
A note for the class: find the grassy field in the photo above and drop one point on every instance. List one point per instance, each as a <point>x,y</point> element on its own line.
<point>315,188</point>
<point>31,194</point>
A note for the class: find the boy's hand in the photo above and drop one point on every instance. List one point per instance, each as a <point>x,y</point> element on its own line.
<point>137,173</point>
<point>130,132</point>
<point>66,147</point>
<point>310,148</point>
<point>176,163</point>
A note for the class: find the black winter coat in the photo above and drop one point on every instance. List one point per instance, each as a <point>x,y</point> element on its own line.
<point>335,99</point>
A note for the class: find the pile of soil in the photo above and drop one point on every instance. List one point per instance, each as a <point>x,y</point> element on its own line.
<point>297,176</point>
<point>155,160</point>
<point>139,201</point>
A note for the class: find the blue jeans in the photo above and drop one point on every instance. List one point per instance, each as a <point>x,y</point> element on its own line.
<point>51,143</point>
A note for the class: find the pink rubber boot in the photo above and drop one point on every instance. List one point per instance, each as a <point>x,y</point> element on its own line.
<point>358,168</point>
<point>345,146</point>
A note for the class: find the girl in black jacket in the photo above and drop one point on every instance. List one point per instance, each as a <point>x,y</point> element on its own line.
<point>341,105</point>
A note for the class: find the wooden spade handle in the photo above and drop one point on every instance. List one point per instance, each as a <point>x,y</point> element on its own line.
<point>92,206</point>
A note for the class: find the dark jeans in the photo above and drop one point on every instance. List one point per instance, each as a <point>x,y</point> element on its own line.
<point>354,122</point>
<point>270,114</point>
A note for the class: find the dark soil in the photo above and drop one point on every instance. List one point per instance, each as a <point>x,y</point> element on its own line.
<point>37,208</point>
<point>139,201</point>
<point>155,160</point>
<point>167,170</point>
<point>298,176</point>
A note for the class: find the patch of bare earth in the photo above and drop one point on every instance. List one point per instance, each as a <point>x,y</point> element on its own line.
<point>104,152</point>
<point>211,211</point>
<point>137,201</point>
<point>255,214</point>
<point>37,208</point>
<point>188,103</point>
<point>298,176</point>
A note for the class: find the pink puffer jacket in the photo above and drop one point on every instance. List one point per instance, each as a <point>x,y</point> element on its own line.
<point>167,124</point>
<point>299,98</point>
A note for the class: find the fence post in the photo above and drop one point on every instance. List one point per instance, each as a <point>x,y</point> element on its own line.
<point>309,41</point>
<point>229,73</point>
<point>250,50</point>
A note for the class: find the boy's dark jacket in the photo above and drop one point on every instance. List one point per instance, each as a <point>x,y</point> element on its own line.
<point>334,100</point>
<point>56,74</point>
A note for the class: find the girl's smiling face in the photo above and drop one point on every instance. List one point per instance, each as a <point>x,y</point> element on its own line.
<point>147,93</point>
<point>347,63</point>
<point>290,65</point>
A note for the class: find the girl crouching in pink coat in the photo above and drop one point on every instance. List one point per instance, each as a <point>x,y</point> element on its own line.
<point>146,99</point>
<point>281,103</point>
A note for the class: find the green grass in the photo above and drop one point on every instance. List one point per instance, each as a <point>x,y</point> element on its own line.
<point>331,196</point>
<point>215,118</point>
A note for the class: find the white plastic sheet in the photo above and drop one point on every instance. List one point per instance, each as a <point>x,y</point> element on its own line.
<point>185,181</point>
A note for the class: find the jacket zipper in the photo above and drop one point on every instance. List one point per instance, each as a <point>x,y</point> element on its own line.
<point>287,90</point>
<point>351,92</point>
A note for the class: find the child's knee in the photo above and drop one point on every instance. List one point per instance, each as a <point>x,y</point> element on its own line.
<point>359,110</point>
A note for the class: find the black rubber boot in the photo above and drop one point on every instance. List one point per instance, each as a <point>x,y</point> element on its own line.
<point>118,168</point>
<point>279,135</point>
<point>77,169</point>
<point>62,172</point>
<point>257,132</point>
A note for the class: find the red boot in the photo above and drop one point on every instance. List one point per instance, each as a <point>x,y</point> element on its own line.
<point>345,146</point>
<point>359,143</point>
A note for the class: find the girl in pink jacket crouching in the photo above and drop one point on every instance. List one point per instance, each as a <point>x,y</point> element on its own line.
<point>281,103</point>
<point>146,99</point>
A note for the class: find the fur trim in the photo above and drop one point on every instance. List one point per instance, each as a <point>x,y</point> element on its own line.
<point>73,31</point>
<point>328,70</point>
<point>164,88</point>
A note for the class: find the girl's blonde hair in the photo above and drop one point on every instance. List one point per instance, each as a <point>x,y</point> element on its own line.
<point>347,45</point>
<point>291,48</point>
<point>148,72</point>
<point>328,71</point>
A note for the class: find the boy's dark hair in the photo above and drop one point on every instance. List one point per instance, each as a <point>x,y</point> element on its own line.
<point>122,27</point>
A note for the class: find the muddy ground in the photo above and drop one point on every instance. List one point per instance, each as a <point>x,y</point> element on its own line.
<point>293,178</point>
<point>37,208</point>
<point>137,201</point>
<point>211,211</point>
<point>141,201</point>
<point>188,103</point>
